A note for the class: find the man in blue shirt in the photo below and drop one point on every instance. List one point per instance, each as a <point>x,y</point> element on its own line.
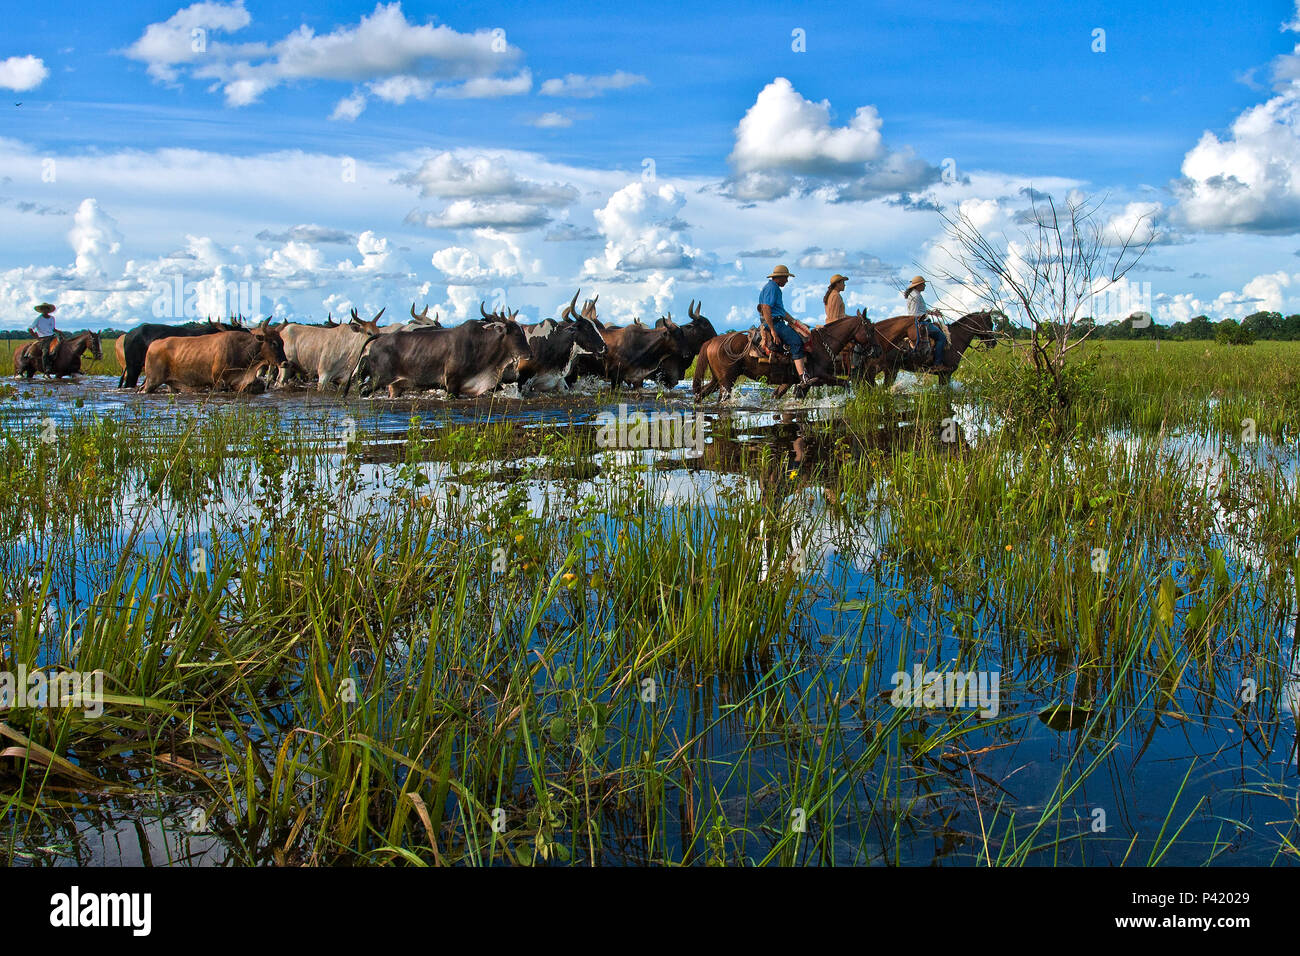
<point>778,320</point>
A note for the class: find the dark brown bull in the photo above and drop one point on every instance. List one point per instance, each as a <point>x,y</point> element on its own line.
<point>470,359</point>
<point>633,352</point>
<point>688,339</point>
<point>225,361</point>
<point>30,357</point>
<point>730,355</point>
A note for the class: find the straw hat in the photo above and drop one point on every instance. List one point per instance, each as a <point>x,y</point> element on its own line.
<point>838,278</point>
<point>916,281</point>
<point>781,271</point>
<point>44,308</point>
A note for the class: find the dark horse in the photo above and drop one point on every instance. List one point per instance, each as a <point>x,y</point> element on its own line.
<point>67,357</point>
<point>897,351</point>
<point>729,356</point>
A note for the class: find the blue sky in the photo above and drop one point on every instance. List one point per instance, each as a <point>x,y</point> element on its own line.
<point>480,171</point>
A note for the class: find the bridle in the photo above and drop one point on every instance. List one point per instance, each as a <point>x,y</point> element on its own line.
<point>864,324</point>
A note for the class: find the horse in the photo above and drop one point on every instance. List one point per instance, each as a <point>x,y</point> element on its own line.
<point>898,351</point>
<point>729,356</point>
<point>28,359</point>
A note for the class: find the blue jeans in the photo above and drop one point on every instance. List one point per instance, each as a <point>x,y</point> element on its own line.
<point>793,340</point>
<point>937,337</point>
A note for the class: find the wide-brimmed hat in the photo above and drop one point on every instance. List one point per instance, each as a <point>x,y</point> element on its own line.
<point>45,308</point>
<point>916,281</point>
<point>781,271</point>
<point>838,278</point>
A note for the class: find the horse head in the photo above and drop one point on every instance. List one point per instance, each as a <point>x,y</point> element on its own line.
<point>865,338</point>
<point>980,326</point>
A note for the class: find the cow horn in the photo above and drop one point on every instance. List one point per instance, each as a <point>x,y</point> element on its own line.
<point>572,307</point>
<point>690,310</point>
<point>379,313</point>
<point>329,320</point>
<point>413,315</point>
<point>355,317</point>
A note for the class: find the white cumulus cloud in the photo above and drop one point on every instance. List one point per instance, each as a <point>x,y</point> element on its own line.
<point>786,143</point>
<point>642,232</point>
<point>23,72</point>
<point>398,59</point>
<point>1249,180</point>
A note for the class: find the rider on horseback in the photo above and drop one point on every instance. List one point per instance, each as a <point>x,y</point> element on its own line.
<point>48,335</point>
<point>778,321</point>
<point>917,308</point>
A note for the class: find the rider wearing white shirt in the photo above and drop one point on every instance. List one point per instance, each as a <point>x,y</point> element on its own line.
<point>918,309</point>
<point>46,331</point>
<point>44,326</point>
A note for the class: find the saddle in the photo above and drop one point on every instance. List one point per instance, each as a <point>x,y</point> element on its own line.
<point>923,349</point>
<point>776,350</point>
<point>762,342</point>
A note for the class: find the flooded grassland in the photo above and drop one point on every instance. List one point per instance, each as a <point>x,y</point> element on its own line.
<point>878,628</point>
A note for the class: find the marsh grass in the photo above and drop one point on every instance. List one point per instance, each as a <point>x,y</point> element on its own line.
<point>488,642</point>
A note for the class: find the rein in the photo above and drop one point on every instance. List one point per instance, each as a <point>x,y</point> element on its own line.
<point>821,339</point>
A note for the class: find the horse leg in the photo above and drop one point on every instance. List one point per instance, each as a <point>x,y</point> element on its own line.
<point>781,390</point>
<point>726,383</point>
<point>707,389</point>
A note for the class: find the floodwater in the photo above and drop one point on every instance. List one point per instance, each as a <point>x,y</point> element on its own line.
<point>1226,775</point>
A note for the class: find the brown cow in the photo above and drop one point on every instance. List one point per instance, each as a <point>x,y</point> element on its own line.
<point>227,361</point>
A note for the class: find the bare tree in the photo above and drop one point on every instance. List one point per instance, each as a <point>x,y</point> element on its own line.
<point>1048,278</point>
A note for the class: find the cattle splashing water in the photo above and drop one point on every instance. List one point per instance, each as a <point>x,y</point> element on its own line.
<point>470,359</point>
<point>226,361</point>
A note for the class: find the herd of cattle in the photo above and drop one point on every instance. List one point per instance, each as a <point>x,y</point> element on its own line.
<point>466,360</point>
<point>478,356</point>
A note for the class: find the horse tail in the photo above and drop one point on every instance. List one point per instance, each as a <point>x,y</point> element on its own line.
<point>361,357</point>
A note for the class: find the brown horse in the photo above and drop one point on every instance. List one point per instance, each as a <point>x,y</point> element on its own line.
<point>29,358</point>
<point>898,351</point>
<point>729,356</point>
